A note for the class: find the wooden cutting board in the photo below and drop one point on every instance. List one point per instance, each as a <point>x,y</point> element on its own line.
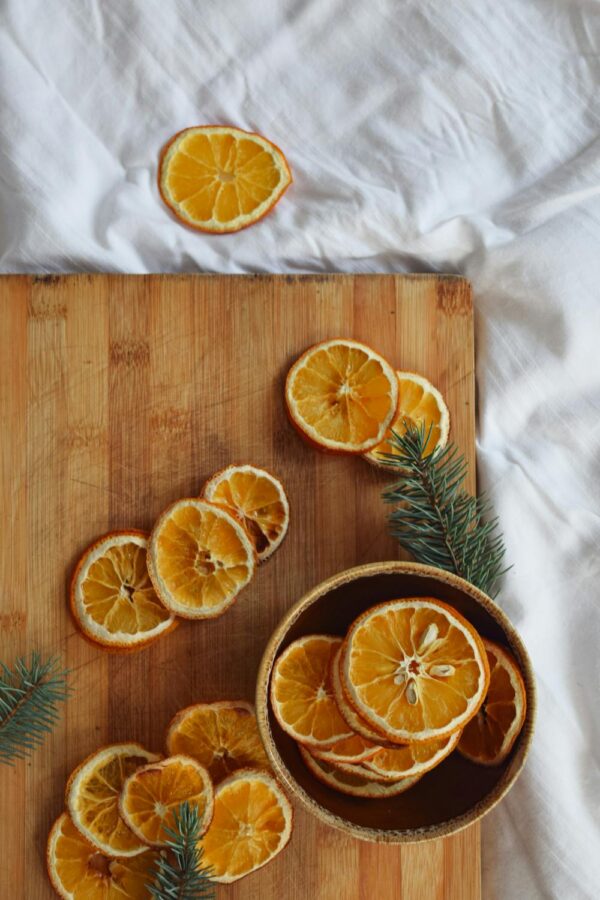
<point>119,395</point>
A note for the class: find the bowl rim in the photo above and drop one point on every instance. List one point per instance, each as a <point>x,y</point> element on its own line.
<point>406,836</point>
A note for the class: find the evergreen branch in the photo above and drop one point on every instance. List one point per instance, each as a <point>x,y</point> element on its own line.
<point>180,874</point>
<point>30,698</point>
<point>435,519</point>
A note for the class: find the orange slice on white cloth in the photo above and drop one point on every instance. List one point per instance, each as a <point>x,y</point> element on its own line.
<point>221,179</point>
<point>490,735</point>
<point>342,396</point>
<point>415,669</point>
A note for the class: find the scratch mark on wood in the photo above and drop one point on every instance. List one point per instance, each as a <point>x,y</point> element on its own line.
<point>171,422</point>
<point>130,353</point>
<point>46,309</point>
<point>46,279</point>
<point>14,620</point>
<point>82,436</point>
<point>454,297</point>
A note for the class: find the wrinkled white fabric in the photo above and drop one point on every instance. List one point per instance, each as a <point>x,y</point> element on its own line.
<point>459,137</point>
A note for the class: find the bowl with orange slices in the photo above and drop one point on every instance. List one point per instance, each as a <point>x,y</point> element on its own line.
<point>396,702</point>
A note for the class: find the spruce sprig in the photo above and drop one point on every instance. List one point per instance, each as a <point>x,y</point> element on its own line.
<point>180,874</point>
<point>30,697</point>
<point>435,519</point>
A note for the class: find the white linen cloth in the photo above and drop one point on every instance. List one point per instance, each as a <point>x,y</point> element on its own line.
<point>459,137</point>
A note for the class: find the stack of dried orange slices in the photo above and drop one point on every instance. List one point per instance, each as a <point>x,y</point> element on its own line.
<point>128,587</point>
<point>121,800</point>
<point>410,682</point>
<point>344,397</point>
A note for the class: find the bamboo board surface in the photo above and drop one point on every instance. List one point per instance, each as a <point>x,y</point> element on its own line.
<point>119,394</point>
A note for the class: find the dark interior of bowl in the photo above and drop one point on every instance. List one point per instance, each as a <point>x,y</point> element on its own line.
<point>454,787</point>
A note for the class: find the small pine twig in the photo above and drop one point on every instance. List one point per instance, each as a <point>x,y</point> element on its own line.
<point>180,874</point>
<point>30,697</point>
<point>435,519</point>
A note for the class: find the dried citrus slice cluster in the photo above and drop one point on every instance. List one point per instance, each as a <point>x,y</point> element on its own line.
<point>410,682</point>
<point>91,851</point>
<point>258,499</point>
<point>121,803</point>
<point>78,869</point>
<point>128,587</point>
<point>151,795</point>
<point>344,397</point>
<point>221,736</point>
<point>421,404</point>
<point>219,179</point>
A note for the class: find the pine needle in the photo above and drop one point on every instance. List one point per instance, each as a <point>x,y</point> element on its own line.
<point>435,519</point>
<point>30,697</point>
<point>180,874</point>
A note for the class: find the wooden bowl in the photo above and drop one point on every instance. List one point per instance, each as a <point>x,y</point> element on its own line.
<point>454,794</point>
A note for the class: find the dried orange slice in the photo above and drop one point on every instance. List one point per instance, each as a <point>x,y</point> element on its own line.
<point>351,768</point>
<point>355,749</point>
<point>342,396</point>
<point>302,695</point>
<point>354,783</point>
<point>221,179</point>
<point>199,558</point>
<point>221,736</point>
<point>78,870</point>
<point>411,759</point>
<point>258,499</point>
<point>112,598</point>
<point>349,714</point>
<point>489,736</point>
<point>92,797</point>
<point>252,823</point>
<point>420,404</point>
<point>415,669</point>
<point>152,794</point>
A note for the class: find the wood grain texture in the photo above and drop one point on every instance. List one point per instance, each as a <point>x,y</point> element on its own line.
<point>117,396</point>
